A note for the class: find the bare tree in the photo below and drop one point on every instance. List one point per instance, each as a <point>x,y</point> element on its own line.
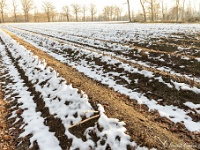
<point>129,10</point>
<point>27,5</point>
<point>48,9</point>
<point>188,12</point>
<point>177,10</point>
<point>156,10</point>
<point>142,2</point>
<point>36,15</point>
<point>154,7</point>
<point>66,12</point>
<point>151,7</point>
<point>199,9</point>
<point>76,9</point>
<point>84,9</point>
<point>2,7</point>
<point>106,13</point>
<point>93,11</point>
<point>117,12</point>
<point>14,4</point>
<point>54,16</point>
<point>109,12</point>
<point>183,11</point>
<point>164,10</point>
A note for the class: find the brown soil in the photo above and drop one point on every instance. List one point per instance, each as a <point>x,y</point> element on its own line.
<point>145,128</point>
<point>6,140</point>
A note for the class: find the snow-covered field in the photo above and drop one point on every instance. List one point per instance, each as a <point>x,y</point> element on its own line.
<point>28,77</point>
<point>155,64</point>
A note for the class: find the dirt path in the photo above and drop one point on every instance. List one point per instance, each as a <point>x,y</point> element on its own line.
<point>147,129</point>
<point>6,140</point>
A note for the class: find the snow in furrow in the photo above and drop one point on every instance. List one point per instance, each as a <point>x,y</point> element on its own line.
<point>51,86</point>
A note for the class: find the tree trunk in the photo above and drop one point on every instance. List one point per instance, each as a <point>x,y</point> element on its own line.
<point>84,16</point>
<point>67,18</point>
<point>48,16</point>
<point>144,12</point>
<point>129,11</point>
<point>2,16</point>
<point>183,11</point>
<point>25,20</point>
<point>76,17</point>
<point>15,16</point>
<point>26,16</point>
<point>163,13</point>
<point>92,18</point>
<point>152,11</point>
<point>177,10</point>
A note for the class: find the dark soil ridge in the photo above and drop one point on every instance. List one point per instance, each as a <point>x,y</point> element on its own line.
<point>170,48</point>
<point>186,41</point>
<point>55,124</point>
<point>168,43</point>
<point>141,126</point>
<point>136,65</point>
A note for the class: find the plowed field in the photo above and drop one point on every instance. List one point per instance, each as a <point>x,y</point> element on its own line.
<point>101,86</point>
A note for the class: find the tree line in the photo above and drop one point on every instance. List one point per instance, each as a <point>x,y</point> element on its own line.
<point>180,11</point>
<point>151,11</point>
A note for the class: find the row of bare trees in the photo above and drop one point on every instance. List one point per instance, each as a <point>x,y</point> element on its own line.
<point>158,10</point>
<point>151,11</point>
<point>26,7</point>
